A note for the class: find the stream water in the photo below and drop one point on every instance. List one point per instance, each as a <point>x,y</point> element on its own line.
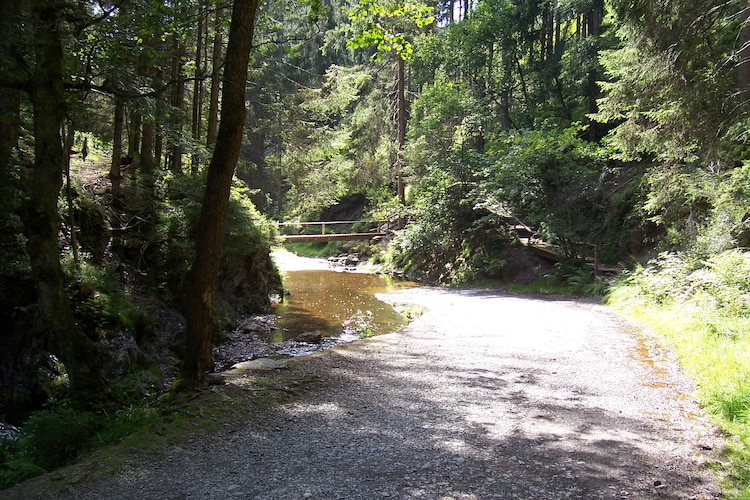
<point>334,302</point>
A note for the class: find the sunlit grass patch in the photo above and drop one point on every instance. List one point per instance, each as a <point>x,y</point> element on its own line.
<point>713,345</point>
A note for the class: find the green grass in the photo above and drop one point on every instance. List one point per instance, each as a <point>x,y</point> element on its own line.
<point>312,249</point>
<point>543,286</point>
<point>714,349</point>
<point>555,286</point>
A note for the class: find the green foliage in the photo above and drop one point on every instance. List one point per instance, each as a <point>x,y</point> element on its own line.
<point>718,283</point>
<point>700,308</point>
<point>725,279</point>
<point>99,297</point>
<point>15,286</point>
<point>701,211</point>
<point>450,241</point>
<point>341,145</point>
<point>247,231</point>
<point>384,24</point>
<point>732,404</point>
<point>728,222</point>
<point>52,438</point>
<point>671,93</point>
<point>445,122</point>
<point>551,179</point>
<point>60,434</point>
<point>16,470</point>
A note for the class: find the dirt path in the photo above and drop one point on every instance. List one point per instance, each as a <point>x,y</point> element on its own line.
<point>485,396</point>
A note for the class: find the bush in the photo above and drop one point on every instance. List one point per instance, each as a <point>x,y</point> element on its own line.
<point>56,436</point>
<point>720,282</point>
<point>452,239</point>
<point>53,437</point>
<point>99,297</point>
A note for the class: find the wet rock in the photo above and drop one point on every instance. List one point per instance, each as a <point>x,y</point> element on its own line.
<point>260,365</point>
<point>347,261</point>
<point>257,323</point>
<point>310,337</point>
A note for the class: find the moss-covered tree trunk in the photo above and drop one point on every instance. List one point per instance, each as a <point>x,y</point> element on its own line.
<point>201,283</point>
<point>77,352</point>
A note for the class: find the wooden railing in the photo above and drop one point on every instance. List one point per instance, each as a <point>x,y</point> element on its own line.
<point>380,230</point>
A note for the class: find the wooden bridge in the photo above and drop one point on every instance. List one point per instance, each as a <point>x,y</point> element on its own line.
<point>323,236</point>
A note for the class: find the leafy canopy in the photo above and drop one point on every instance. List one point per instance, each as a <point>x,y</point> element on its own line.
<point>385,25</point>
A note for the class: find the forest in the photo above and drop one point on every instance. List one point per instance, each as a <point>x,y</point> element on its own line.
<point>149,149</point>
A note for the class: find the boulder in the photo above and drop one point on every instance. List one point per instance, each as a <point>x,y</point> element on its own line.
<point>260,365</point>
<point>310,337</point>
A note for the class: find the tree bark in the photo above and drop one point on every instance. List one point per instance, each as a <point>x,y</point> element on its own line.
<point>178,97</point>
<point>743,54</point>
<point>593,28</point>
<point>401,134</point>
<point>117,127</point>
<point>10,108</point>
<point>147,148</point>
<point>10,99</point>
<point>198,88</point>
<point>213,107</point>
<point>55,317</point>
<point>199,313</point>
<point>134,133</point>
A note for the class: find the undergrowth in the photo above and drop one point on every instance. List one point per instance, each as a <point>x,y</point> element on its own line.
<point>98,440</point>
<point>60,434</point>
<point>573,277</point>
<point>701,307</point>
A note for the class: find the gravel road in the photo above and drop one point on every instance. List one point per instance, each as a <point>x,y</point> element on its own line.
<point>486,395</point>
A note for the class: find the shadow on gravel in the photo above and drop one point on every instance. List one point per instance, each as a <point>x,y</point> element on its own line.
<point>408,426</point>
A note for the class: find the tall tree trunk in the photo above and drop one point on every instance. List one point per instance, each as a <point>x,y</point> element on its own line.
<point>213,106</point>
<point>178,97</point>
<point>743,54</point>
<point>401,134</point>
<point>158,149</point>
<point>147,148</point>
<point>10,108</point>
<point>593,28</point>
<point>117,126</point>
<point>505,121</point>
<point>10,99</point>
<point>198,88</point>
<point>77,352</point>
<point>209,242</point>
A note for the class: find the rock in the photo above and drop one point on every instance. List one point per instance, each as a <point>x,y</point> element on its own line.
<point>260,365</point>
<point>347,261</point>
<point>216,379</point>
<point>8,432</point>
<point>310,337</point>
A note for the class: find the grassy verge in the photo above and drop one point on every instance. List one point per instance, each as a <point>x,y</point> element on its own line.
<point>703,317</point>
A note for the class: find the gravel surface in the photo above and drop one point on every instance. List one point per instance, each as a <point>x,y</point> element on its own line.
<point>487,395</point>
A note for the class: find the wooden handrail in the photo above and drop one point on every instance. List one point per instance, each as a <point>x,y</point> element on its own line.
<point>330,222</point>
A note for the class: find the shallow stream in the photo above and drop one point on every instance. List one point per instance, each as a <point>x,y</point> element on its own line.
<point>336,302</point>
